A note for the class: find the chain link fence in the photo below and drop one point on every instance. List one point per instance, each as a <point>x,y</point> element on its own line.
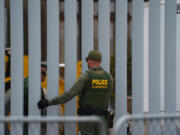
<point>151,124</point>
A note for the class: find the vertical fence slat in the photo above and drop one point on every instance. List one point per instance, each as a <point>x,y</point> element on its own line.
<point>52,59</point>
<point>154,61</point>
<point>121,55</point>
<point>162,58</point>
<point>70,58</point>
<point>170,56</point>
<point>178,59</point>
<point>104,32</point>
<point>146,58</point>
<point>137,62</point>
<point>170,60</point>
<point>121,60</point>
<point>2,64</point>
<point>17,52</point>
<point>87,30</point>
<point>137,56</point>
<point>34,29</point>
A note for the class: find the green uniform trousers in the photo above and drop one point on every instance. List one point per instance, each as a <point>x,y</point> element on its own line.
<point>92,128</point>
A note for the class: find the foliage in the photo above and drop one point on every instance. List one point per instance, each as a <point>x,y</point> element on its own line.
<point>129,72</point>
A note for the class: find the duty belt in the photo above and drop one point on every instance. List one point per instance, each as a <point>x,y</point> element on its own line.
<point>91,111</point>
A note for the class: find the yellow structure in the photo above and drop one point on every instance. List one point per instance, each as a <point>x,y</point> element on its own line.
<point>44,83</point>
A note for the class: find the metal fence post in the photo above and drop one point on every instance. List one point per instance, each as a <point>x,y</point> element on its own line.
<point>17,52</point>
<point>34,29</point>
<point>178,58</point>
<point>52,60</point>
<point>87,30</point>
<point>154,60</point>
<point>2,63</point>
<point>170,59</point>
<point>121,60</point>
<point>104,32</point>
<point>70,59</point>
<point>137,61</point>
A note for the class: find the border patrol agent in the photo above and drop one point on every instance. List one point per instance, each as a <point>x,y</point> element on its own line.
<point>94,88</point>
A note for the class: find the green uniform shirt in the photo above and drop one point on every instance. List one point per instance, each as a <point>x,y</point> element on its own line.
<point>76,89</point>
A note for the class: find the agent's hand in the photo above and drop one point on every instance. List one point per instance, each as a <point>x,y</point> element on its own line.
<point>43,103</point>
